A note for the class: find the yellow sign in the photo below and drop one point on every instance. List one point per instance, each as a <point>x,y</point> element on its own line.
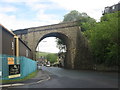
<point>10,60</point>
<point>14,76</point>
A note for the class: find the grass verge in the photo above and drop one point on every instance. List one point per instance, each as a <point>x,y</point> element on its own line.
<point>33,74</point>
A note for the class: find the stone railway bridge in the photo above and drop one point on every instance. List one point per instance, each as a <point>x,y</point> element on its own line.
<point>78,53</point>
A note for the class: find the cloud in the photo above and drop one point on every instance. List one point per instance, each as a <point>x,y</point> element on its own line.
<point>7,9</point>
<point>48,18</point>
<point>36,6</point>
<point>11,22</point>
<point>40,17</point>
<point>16,1</point>
<point>41,14</point>
<point>7,21</point>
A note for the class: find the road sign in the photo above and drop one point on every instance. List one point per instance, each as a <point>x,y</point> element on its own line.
<point>10,60</point>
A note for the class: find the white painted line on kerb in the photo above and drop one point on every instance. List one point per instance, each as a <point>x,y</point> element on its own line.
<point>8,85</point>
<point>20,84</point>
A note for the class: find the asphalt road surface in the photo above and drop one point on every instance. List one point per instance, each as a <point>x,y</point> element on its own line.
<point>63,78</point>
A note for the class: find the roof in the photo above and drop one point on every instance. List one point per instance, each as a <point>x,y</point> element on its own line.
<point>7,30</point>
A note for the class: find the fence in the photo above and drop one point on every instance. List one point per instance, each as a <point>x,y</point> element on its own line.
<point>27,66</point>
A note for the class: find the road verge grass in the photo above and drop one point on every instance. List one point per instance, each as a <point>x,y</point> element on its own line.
<point>32,75</point>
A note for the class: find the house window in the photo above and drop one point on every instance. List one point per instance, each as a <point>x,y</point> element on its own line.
<point>12,45</point>
<point>107,10</point>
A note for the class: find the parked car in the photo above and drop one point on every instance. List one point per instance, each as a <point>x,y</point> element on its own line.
<point>48,65</point>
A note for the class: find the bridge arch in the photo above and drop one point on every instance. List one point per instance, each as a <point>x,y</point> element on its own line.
<point>66,39</point>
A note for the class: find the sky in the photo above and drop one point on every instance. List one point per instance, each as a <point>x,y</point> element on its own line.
<point>20,14</point>
<point>48,45</point>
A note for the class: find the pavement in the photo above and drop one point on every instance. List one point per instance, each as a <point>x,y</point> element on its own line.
<point>40,77</point>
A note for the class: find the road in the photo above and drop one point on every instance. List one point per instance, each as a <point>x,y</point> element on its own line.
<point>63,78</point>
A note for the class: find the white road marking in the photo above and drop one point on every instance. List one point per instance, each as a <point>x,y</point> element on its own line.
<point>20,84</point>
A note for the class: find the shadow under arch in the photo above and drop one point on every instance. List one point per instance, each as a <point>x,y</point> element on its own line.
<point>66,41</point>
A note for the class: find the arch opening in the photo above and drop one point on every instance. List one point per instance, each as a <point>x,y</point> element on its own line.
<point>61,55</point>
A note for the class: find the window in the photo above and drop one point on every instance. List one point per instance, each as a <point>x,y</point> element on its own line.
<point>12,45</point>
<point>107,10</point>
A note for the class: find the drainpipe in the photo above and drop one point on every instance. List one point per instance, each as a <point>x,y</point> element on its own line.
<point>17,48</point>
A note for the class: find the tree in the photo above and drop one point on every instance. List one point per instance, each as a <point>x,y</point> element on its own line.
<point>52,57</point>
<point>104,39</point>
<point>61,45</point>
<point>72,16</point>
<point>85,21</point>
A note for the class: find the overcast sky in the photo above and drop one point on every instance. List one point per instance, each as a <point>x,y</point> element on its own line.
<point>19,14</point>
